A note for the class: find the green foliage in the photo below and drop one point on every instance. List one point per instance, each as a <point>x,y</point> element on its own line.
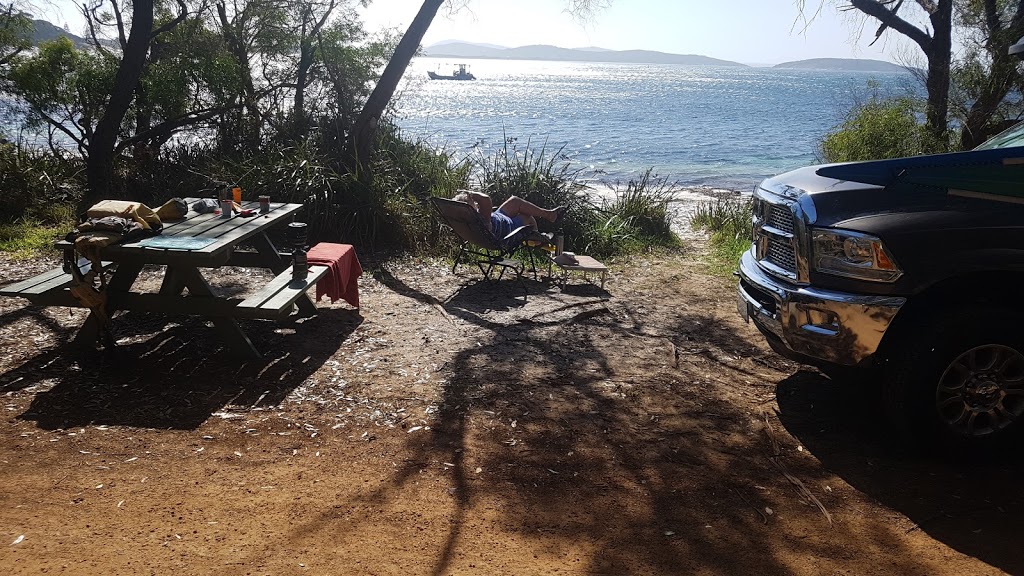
<point>645,205</point>
<point>15,34</point>
<point>64,86</point>
<point>729,216</point>
<point>877,129</point>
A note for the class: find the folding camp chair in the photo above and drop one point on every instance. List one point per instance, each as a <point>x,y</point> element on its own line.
<point>479,245</point>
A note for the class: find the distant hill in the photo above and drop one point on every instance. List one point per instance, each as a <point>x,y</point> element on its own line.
<point>45,32</point>
<point>544,52</point>
<point>449,42</point>
<point>844,64</point>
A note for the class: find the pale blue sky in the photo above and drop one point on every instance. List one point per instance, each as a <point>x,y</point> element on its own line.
<point>748,31</point>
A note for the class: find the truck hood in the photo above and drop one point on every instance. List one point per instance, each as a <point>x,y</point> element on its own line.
<point>944,191</point>
<point>998,172</point>
<point>827,201</point>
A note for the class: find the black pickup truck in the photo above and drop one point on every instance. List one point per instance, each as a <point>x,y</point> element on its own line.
<point>907,271</point>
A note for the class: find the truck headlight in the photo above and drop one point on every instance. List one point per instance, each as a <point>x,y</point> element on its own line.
<point>854,255</point>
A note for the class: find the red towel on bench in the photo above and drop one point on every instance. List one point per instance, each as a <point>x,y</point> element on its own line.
<point>344,269</point>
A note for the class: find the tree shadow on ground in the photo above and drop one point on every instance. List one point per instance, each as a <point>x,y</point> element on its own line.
<point>538,426</point>
<point>179,376</point>
<point>974,507</point>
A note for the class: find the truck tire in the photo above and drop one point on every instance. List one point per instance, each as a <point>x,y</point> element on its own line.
<point>958,380</point>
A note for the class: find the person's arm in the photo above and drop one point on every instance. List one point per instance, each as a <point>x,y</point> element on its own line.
<point>482,203</point>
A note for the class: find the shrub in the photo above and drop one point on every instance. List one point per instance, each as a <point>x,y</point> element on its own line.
<point>878,129</point>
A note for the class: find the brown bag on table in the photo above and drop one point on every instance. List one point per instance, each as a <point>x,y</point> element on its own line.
<point>136,211</point>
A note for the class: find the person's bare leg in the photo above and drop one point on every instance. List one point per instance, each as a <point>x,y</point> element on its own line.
<point>516,206</point>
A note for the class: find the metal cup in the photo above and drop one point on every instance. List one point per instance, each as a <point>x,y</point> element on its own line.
<point>297,234</point>
<point>264,204</point>
<point>226,206</point>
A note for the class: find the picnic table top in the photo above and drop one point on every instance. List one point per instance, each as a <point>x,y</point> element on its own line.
<point>199,238</point>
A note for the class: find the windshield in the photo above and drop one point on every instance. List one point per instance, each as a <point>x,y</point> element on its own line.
<point>1006,139</point>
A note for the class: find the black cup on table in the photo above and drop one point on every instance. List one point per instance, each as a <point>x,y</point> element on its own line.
<point>297,238</point>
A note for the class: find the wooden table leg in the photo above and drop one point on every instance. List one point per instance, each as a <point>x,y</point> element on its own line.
<point>174,282</point>
<point>121,281</point>
<point>271,257</point>
<point>227,327</point>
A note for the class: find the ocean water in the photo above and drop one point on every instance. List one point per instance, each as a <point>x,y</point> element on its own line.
<point>697,126</point>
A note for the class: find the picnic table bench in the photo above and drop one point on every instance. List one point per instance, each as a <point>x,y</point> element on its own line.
<point>183,248</point>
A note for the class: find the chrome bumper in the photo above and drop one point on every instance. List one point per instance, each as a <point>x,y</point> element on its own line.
<point>813,324</point>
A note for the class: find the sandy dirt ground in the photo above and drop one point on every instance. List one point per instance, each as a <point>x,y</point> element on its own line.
<point>452,427</point>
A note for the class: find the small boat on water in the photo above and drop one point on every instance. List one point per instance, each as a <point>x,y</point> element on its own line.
<point>459,73</point>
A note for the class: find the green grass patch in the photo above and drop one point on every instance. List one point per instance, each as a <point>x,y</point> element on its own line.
<point>27,239</point>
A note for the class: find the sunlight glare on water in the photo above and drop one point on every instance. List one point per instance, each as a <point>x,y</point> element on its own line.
<point>696,125</point>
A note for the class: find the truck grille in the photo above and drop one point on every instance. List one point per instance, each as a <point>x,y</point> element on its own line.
<point>780,217</point>
<point>781,254</point>
<point>776,235</point>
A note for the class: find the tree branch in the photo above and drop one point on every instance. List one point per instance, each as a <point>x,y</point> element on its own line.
<point>9,57</point>
<point>877,10</point>
<point>170,126</point>
<point>60,126</point>
<point>90,19</point>
<point>182,14</point>
<point>120,25</point>
<point>991,16</point>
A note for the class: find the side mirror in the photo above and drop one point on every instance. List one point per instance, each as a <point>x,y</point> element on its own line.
<point>1018,49</point>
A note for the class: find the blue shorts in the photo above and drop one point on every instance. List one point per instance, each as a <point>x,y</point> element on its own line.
<point>503,225</point>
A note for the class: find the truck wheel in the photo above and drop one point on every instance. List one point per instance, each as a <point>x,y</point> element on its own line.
<point>960,380</point>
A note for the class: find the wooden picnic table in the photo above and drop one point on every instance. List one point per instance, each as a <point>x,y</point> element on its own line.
<point>184,248</point>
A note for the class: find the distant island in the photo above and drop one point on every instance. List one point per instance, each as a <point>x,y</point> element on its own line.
<point>590,54</point>
<point>843,64</point>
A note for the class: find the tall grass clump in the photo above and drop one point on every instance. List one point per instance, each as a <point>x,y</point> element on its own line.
<point>38,191</point>
<point>728,221</point>
<point>634,219</point>
<point>33,182</point>
<point>538,176</point>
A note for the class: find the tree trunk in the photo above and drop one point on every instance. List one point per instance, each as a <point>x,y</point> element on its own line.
<point>937,48</point>
<point>300,124</point>
<point>939,56</point>
<point>978,125</point>
<point>364,131</point>
<point>249,128</point>
<point>1001,78</point>
<point>99,166</point>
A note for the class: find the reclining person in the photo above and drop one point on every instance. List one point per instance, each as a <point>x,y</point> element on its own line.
<point>512,213</point>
